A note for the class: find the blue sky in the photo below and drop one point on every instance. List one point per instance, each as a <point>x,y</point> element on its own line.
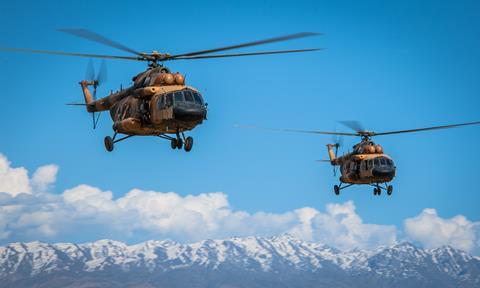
<point>389,65</point>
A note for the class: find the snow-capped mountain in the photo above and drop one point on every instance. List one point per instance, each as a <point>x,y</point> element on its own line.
<point>281,261</point>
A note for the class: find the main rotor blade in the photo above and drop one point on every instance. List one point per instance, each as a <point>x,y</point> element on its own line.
<point>354,125</point>
<point>245,54</point>
<point>300,131</point>
<point>90,73</point>
<point>426,129</point>
<point>92,36</point>
<point>25,50</point>
<point>248,44</point>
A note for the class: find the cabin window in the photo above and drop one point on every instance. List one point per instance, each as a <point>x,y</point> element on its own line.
<point>382,160</point>
<point>146,82</point>
<point>169,100</point>
<point>362,165</point>
<point>178,97</point>
<point>370,164</point>
<point>376,161</point>
<point>188,96</point>
<point>197,97</point>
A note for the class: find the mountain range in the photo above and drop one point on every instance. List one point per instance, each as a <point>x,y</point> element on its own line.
<point>281,261</point>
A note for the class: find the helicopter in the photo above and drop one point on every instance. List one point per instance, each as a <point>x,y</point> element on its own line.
<point>367,164</point>
<point>158,103</point>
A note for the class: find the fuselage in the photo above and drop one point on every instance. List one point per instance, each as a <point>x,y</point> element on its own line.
<point>157,103</point>
<point>172,109</point>
<point>367,164</point>
<point>367,169</point>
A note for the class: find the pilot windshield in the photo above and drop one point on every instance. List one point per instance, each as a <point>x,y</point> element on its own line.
<point>379,162</point>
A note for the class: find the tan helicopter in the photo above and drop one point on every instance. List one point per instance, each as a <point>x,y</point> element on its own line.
<point>159,102</point>
<point>367,163</point>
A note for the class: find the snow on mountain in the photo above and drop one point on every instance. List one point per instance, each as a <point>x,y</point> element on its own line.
<point>280,255</point>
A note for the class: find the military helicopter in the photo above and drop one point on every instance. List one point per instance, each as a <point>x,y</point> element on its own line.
<point>367,163</point>
<point>159,102</point>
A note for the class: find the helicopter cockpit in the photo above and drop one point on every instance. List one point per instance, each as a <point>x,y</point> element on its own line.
<point>378,167</point>
<point>381,162</point>
<point>187,104</point>
<point>381,167</point>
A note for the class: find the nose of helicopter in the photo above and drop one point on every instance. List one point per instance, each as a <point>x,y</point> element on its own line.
<point>383,172</point>
<point>192,113</point>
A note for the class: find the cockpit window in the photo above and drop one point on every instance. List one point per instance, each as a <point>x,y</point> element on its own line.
<point>161,101</point>
<point>188,96</point>
<point>363,165</point>
<point>198,98</point>
<point>382,161</point>
<point>169,100</point>
<point>146,82</point>
<point>178,97</point>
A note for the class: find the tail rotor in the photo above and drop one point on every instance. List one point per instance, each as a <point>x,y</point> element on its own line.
<point>337,143</point>
<point>96,80</point>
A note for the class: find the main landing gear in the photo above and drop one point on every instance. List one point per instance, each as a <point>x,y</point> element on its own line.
<point>377,191</point>
<point>337,188</point>
<point>110,141</point>
<point>175,142</point>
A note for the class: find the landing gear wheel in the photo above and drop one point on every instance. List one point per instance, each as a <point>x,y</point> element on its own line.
<point>179,143</point>
<point>376,191</point>
<point>336,189</point>
<point>173,143</point>
<point>108,143</point>
<point>389,190</point>
<point>379,191</point>
<point>188,143</point>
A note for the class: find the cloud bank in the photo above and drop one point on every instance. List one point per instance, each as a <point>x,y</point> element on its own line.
<point>29,212</point>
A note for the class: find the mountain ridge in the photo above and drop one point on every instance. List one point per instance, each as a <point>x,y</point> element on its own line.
<point>280,261</point>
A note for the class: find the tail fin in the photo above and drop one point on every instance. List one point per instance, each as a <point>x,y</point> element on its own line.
<point>86,92</point>
<point>331,154</point>
<point>93,80</point>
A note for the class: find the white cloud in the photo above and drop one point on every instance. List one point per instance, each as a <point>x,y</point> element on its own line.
<point>188,218</point>
<point>433,231</point>
<point>13,180</point>
<point>89,213</point>
<point>44,177</point>
<point>344,227</point>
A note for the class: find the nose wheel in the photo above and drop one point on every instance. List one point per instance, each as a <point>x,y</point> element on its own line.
<point>389,190</point>
<point>377,191</point>
<point>188,144</point>
<point>176,143</point>
<point>179,142</point>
